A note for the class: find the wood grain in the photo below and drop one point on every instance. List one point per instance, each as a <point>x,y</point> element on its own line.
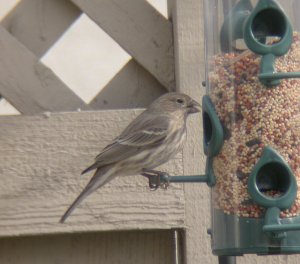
<point>41,160</point>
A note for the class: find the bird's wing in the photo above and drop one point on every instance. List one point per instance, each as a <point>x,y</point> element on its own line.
<point>143,137</point>
<point>141,133</point>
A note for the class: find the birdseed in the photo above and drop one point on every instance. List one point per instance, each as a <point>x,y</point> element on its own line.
<point>253,117</point>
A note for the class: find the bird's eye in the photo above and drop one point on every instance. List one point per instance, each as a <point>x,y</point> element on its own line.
<point>179,101</point>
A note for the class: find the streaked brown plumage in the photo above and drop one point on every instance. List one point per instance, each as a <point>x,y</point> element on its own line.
<point>150,140</point>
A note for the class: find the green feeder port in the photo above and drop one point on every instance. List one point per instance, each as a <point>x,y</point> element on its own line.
<point>266,30</point>
<point>272,173</point>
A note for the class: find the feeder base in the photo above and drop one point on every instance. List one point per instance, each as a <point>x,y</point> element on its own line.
<point>235,236</point>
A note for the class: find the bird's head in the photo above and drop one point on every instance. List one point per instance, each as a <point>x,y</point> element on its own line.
<point>176,102</point>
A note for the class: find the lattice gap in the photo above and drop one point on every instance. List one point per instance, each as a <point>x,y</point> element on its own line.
<point>85,58</point>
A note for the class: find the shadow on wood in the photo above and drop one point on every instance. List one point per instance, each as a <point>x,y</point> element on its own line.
<point>131,87</point>
<point>38,24</point>
<point>134,247</point>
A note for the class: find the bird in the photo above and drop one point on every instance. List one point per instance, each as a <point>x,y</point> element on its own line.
<point>150,140</point>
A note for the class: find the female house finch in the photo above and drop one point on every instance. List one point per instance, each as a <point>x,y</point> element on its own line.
<point>150,140</point>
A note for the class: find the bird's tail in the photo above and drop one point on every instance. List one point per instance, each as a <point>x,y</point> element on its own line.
<point>101,176</point>
<point>92,167</point>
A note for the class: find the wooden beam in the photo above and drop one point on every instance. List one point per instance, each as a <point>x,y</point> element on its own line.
<point>189,56</point>
<point>41,160</point>
<point>295,15</point>
<point>37,24</point>
<point>28,85</point>
<point>131,87</point>
<point>170,5</point>
<point>144,33</point>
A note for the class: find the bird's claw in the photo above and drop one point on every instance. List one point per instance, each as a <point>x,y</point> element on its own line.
<point>157,179</point>
<point>154,183</point>
<point>164,180</point>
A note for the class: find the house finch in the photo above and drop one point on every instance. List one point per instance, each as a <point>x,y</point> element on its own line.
<point>150,140</point>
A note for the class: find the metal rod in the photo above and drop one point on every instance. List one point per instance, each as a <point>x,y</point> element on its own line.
<point>227,260</point>
<point>177,247</point>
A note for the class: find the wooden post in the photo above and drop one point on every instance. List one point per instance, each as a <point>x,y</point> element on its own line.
<point>189,57</point>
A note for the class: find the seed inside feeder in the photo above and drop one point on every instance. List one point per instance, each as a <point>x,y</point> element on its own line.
<point>253,117</point>
<point>272,193</point>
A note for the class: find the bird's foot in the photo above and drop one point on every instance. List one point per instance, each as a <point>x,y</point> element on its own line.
<point>154,181</point>
<point>157,179</point>
<point>164,180</point>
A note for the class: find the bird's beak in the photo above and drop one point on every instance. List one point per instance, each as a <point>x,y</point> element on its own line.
<point>194,107</point>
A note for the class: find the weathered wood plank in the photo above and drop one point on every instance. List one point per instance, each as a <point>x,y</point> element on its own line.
<point>296,18</point>
<point>28,85</point>
<point>140,30</point>
<point>131,87</point>
<point>132,247</point>
<point>41,160</point>
<point>188,45</point>
<point>37,24</point>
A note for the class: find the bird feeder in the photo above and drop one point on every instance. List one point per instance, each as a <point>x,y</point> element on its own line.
<point>251,124</point>
<point>251,121</point>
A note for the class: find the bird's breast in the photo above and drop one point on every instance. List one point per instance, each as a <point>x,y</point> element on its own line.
<point>167,149</point>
